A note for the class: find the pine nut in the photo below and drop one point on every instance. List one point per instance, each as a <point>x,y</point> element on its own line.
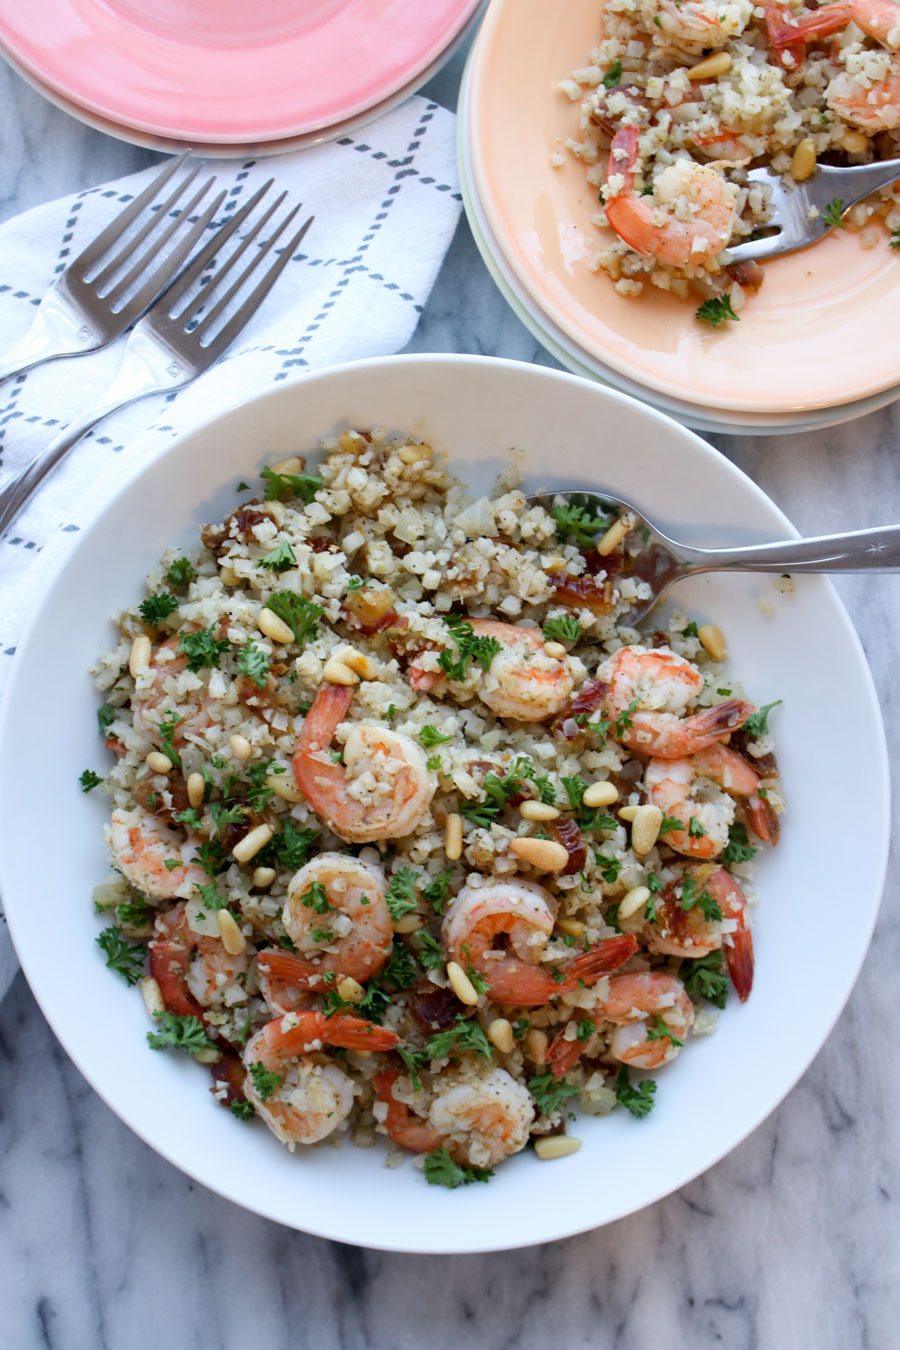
<point>350,442</point>
<point>139,657</point>
<point>453,836</point>
<point>293,464</point>
<point>196,789</point>
<point>615,534</point>
<point>500,1033</point>
<point>263,877</point>
<point>628,813</point>
<point>335,672</point>
<point>574,927</point>
<point>358,662</point>
<point>804,160</point>
<point>208,1055</point>
<point>249,846</point>
<point>233,939</point>
<point>717,64</point>
<point>632,901</point>
<point>461,985</point>
<point>854,142</point>
<point>536,1044</point>
<point>544,854</point>
<point>351,990</point>
<point>645,829</point>
<point>240,746</point>
<point>152,995</point>
<point>537,811</point>
<point>555,649</point>
<point>157,762</point>
<point>712,640</point>
<point>556,1146</point>
<point>600,794</point>
<point>283,787</point>
<point>269,624</point>
<point>410,923</point>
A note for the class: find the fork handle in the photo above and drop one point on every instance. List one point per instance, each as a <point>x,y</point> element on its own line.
<point>875,550</point>
<point>140,374</point>
<point>55,331</point>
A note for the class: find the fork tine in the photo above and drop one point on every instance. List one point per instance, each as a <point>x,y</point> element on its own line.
<point>182,283</point>
<point>150,253</point>
<point>97,247</point>
<point>168,268</point>
<point>259,292</point>
<point>214,282</point>
<point>155,218</point>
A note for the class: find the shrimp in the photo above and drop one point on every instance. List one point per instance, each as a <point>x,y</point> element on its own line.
<point>677,931</point>
<point>502,929</point>
<point>309,1095</point>
<point>643,1006</point>
<point>686,222</point>
<point>382,789</point>
<point>650,690</point>
<point>739,779</point>
<point>480,1115</point>
<point>153,690</point>
<point>522,680</point>
<point>858,96</point>
<point>141,846</point>
<point>336,914</point>
<point>710,23</point>
<point>706,820</point>
<point>193,972</point>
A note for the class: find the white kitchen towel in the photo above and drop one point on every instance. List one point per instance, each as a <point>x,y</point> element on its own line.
<point>386,203</point>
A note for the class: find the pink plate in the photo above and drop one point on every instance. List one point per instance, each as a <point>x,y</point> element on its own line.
<point>223,71</point>
<point>821,332</point>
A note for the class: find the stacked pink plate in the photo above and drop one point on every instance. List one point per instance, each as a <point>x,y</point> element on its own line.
<point>227,78</point>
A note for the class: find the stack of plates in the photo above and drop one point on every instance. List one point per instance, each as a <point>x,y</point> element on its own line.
<point>815,347</point>
<point>227,78</point>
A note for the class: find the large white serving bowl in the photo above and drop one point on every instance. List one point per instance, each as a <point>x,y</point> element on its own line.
<point>564,432</point>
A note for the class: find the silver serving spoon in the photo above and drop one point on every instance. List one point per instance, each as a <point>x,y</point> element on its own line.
<point>660,561</point>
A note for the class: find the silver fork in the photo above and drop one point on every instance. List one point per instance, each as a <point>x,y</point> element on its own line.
<point>87,307</point>
<point>166,349</point>
<point>653,557</point>
<point>829,192</point>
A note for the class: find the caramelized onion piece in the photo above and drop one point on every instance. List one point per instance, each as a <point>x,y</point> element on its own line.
<point>370,610</point>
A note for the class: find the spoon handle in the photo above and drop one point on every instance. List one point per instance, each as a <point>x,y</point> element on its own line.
<point>876,550</point>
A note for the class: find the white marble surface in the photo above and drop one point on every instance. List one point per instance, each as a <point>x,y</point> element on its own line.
<point>791,1241</point>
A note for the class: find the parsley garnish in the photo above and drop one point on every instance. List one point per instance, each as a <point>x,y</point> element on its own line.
<point>586,1029</point>
<point>638,1100</point>
<point>436,891</point>
<point>413,1059</point>
<point>280,558</point>
<point>690,896</point>
<point>401,893</point>
<point>546,789</point>
<point>832,213</point>
<point>613,75</point>
<point>894,240</point>
<point>695,829</point>
<point>264,1080</point>
<point>225,815</point>
<point>669,824</point>
<point>210,855</point>
<point>757,724</point>
<point>282,485</point>
<point>430,736</point>
<point>105,715</point>
<point>132,913</point>
<point>181,572</point>
<point>190,817</point>
<point>430,952</point>
<point>549,1093</point>
<point>690,631</point>
<point>464,1035</point>
<point>609,867</point>
<point>298,613</point>
<point>468,647</point>
<point>626,719</point>
<point>717,310</point>
<point>441,1170</point>
<point>291,847</point>
<point>241,1110</point>
<point>705,977</point>
<point>564,628</point>
<point>121,956</point>
<point>354,583</point>
<point>166,735</point>
<point>89,780</point>
<point>254,662</point>
<point>658,1030</point>
<point>211,897</point>
<point>201,648</point>
<point>242,486</point>
<point>181,1033</point>
<point>738,849</point>
<point>156,608</point>
<point>316,899</point>
<point>574,520</point>
<point>323,936</point>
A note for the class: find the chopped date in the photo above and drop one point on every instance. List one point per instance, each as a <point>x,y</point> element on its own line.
<point>610,563</point>
<point>765,765</point>
<point>239,525</point>
<point>566,832</point>
<point>229,1069</point>
<point>433,1008</point>
<point>371,611</point>
<point>583,592</point>
<point>569,723</point>
<point>147,795</point>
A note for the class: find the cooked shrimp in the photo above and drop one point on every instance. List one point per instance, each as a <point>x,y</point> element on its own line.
<point>860,95</point>
<point>312,1095</point>
<point>154,698</point>
<point>688,219</point>
<point>382,789</point>
<point>337,916</point>
<point>650,691</point>
<point>706,819</point>
<point>481,1115</point>
<point>141,846</point>
<point>644,1006</point>
<point>193,972</point>
<point>677,931</point>
<point>711,23</point>
<point>502,930</point>
<point>739,779</point>
<point>522,681</point>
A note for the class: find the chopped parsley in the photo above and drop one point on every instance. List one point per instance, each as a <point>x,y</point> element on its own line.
<point>225,815</point>
<point>354,583</point>
<point>468,647</point>
<point>265,1082</point>
<point>670,824</point>
<point>211,897</point>
<point>465,1034</point>
<point>613,75</point>
<point>609,867</point>
<point>132,913</point>
<point>430,736</point>
<point>430,952</point>
<point>156,608</point>
<point>690,631</point>
<point>585,1030</point>
<point>638,1100</point>
<point>181,572</point>
<point>180,1033</point>
<point>564,628</point>
<point>298,613</point>
<point>695,829</point>
<point>316,899</point>
<point>241,1110</point>
<point>89,780</point>
<point>436,891</point>
<point>283,485</point>
<point>280,558</point>
<point>434,764</point>
<point>706,978</point>
<point>201,648</point>
<point>242,486</point>
<point>831,214</point>
<point>894,240</point>
<point>123,957</point>
<point>291,846</point>
<point>105,715</point>
<point>587,817</point>
<point>546,789</point>
<point>550,1093</point>
<point>574,521</point>
<point>167,734</point>
<point>323,936</point>
<point>441,1170</point>
<point>717,310</point>
<point>626,719</point>
<point>757,724</point>
<point>497,793</point>
<point>691,895</point>
<point>738,849</point>
<point>401,893</point>
<point>210,855</point>
<point>658,1030</point>
<point>254,663</point>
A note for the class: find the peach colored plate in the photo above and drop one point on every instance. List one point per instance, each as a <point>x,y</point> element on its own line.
<point>822,330</point>
<point>223,71</point>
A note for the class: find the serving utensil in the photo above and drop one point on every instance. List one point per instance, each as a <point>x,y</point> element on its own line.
<point>803,212</point>
<point>95,299</point>
<point>651,556</point>
<point>177,340</point>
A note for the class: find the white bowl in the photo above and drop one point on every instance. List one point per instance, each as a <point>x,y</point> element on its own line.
<point>564,432</point>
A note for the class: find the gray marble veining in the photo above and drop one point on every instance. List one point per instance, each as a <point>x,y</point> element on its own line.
<point>791,1241</point>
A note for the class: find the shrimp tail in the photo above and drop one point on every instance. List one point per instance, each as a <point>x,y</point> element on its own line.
<point>762,820</point>
<point>739,960</point>
<point>308,1030</point>
<point>563,1054</point>
<point>608,955</point>
<point>289,969</point>
<point>169,963</point>
<point>329,708</point>
<point>402,1126</point>
<point>708,726</point>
